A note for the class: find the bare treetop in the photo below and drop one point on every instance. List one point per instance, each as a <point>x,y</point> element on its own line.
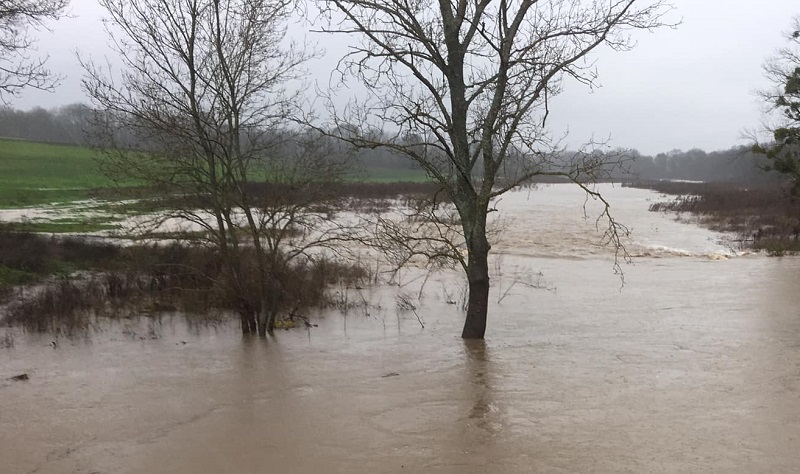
<point>506,59</point>
<point>463,89</point>
<point>199,57</point>
<point>18,69</point>
<point>783,103</point>
<point>198,113</point>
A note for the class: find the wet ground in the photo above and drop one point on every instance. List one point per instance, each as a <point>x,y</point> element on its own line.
<point>693,366</point>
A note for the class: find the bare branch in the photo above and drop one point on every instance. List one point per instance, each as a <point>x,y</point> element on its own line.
<point>18,70</point>
<point>472,80</point>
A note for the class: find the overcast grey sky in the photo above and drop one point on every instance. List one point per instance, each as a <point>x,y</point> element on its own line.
<point>692,87</point>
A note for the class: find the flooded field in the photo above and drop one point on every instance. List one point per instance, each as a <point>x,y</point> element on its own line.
<point>692,366</point>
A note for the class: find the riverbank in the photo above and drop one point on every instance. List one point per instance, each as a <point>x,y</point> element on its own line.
<point>765,217</point>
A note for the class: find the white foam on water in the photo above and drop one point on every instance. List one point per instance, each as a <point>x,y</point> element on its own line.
<point>558,221</point>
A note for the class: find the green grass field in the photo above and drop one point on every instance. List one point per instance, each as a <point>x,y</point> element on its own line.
<point>37,173</point>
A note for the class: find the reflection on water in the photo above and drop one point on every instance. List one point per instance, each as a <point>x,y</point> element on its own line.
<point>693,366</point>
<point>479,371</point>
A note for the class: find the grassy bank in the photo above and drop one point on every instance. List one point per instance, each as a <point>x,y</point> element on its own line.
<point>30,258</point>
<point>763,217</point>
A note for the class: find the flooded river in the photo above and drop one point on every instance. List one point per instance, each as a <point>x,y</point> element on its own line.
<point>692,366</point>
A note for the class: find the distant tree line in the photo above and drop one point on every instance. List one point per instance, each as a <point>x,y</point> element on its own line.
<point>64,125</point>
<point>737,164</point>
<point>70,125</point>
<point>74,125</point>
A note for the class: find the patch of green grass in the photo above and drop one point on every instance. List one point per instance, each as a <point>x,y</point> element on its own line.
<point>34,174</point>
<point>12,276</point>
<point>38,173</point>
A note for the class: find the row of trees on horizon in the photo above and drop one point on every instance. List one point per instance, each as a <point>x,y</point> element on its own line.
<point>69,125</point>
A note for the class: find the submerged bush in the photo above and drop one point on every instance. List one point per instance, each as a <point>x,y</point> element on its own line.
<point>764,217</point>
<point>24,251</point>
<point>152,279</point>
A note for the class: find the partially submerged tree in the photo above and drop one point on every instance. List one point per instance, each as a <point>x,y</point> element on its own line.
<point>471,80</point>
<point>197,112</point>
<point>18,69</point>
<point>783,70</point>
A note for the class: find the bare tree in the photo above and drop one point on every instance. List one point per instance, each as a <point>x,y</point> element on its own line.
<point>17,69</point>
<point>472,79</point>
<point>197,112</point>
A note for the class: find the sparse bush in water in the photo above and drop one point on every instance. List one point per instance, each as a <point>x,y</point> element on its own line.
<point>24,252</point>
<point>778,247</point>
<point>7,341</point>
<point>764,217</point>
<point>155,279</point>
<point>61,308</point>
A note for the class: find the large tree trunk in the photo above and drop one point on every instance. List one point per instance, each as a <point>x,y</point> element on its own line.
<point>478,278</point>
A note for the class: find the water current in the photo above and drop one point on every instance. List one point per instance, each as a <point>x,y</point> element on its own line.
<point>692,366</point>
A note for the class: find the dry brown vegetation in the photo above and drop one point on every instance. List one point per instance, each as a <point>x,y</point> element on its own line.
<point>764,217</point>
<point>144,280</point>
<point>331,196</point>
<point>61,285</point>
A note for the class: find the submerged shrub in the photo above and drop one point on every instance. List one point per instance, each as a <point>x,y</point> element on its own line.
<point>62,307</point>
<point>764,217</point>
<point>193,279</point>
<point>24,251</point>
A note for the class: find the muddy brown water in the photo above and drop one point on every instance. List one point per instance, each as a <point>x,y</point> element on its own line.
<point>693,366</point>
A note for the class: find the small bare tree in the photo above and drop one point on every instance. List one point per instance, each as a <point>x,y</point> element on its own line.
<point>199,112</point>
<point>17,69</point>
<point>472,80</point>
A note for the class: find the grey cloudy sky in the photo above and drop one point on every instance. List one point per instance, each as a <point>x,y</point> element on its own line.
<point>692,87</point>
